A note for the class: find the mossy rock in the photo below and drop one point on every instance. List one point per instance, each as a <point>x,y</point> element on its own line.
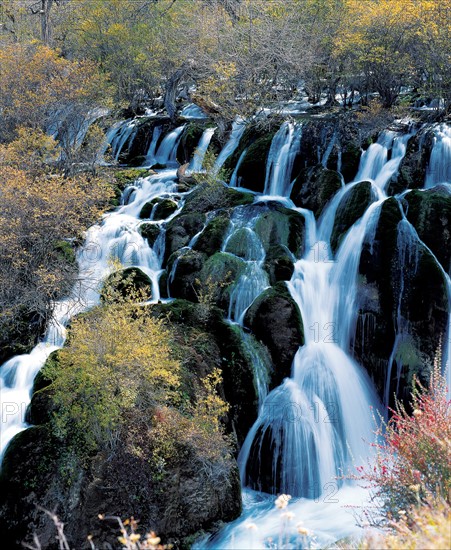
<point>413,167</point>
<point>239,242</point>
<point>429,212</point>
<point>314,187</point>
<point>181,229</point>
<point>350,161</point>
<point>278,225</point>
<point>211,239</point>
<point>351,208</point>
<point>205,198</point>
<point>278,264</point>
<point>158,166</point>
<point>189,264</point>
<point>162,208</point>
<point>150,232</point>
<point>131,279</point>
<point>189,141</point>
<point>252,171</point>
<point>250,135</point>
<point>275,320</point>
<point>220,270</point>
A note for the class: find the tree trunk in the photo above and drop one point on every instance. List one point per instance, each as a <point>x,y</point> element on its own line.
<point>171,88</point>
<point>46,6</point>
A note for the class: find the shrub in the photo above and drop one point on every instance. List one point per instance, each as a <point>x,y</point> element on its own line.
<point>412,464</point>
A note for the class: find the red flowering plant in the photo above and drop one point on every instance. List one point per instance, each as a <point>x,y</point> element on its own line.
<point>412,464</point>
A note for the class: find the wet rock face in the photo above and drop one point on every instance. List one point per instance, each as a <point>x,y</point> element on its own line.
<point>413,167</point>
<point>429,211</point>
<point>351,208</point>
<point>275,319</point>
<point>402,308</point>
<point>314,187</point>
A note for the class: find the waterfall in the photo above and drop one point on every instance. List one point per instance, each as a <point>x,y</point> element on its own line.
<point>238,128</point>
<point>152,151</point>
<point>167,151</point>
<point>234,181</point>
<point>116,237</point>
<point>318,423</point>
<point>439,168</point>
<point>119,135</point>
<point>199,154</point>
<point>192,111</point>
<point>284,148</point>
<point>244,242</point>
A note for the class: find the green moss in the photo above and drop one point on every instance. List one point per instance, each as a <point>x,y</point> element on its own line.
<point>351,208</point>
<point>281,226</point>
<point>163,209</point>
<point>212,237</point>
<point>252,170</point>
<point>149,231</point>
<point>66,252</point>
<point>205,198</point>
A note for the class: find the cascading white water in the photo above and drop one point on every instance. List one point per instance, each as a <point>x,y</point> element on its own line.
<point>167,150</point>
<point>234,180</point>
<point>284,148</point>
<point>152,151</point>
<point>192,111</point>
<point>254,279</point>
<point>318,423</point>
<point>117,237</point>
<point>439,169</point>
<point>199,154</point>
<point>118,135</point>
<point>238,128</point>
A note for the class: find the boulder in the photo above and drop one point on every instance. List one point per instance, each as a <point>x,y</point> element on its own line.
<point>211,239</point>
<point>351,208</point>
<point>314,187</point>
<point>159,209</point>
<point>429,211</point>
<point>184,268</point>
<point>278,264</point>
<point>131,279</point>
<point>275,320</point>
<point>277,225</point>
<point>150,232</point>
<point>181,229</point>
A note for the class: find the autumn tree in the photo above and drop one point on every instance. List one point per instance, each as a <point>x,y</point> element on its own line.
<point>41,215</point>
<point>40,89</point>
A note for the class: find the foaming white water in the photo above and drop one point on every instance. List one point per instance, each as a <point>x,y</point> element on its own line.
<point>284,148</point>
<point>235,180</point>
<point>439,169</point>
<point>116,237</point>
<point>318,424</point>
<point>167,150</point>
<point>328,519</point>
<point>238,128</point>
<point>196,162</point>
